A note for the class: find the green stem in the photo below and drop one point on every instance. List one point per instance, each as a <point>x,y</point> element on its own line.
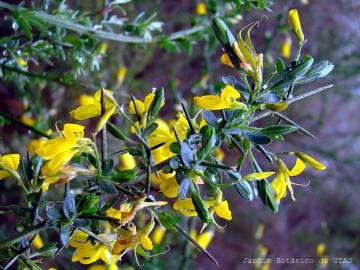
<point>295,99</point>
<point>19,123</point>
<point>25,233</point>
<point>103,131</point>
<point>55,20</point>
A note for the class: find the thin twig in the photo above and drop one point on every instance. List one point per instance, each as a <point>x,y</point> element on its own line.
<point>289,101</point>
<point>26,126</point>
<point>55,20</point>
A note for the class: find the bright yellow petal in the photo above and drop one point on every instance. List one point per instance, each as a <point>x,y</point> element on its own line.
<point>229,95</point>
<point>78,239</point>
<point>148,100</point>
<point>224,59</point>
<point>86,254</point>
<point>126,162</point>
<point>298,168</point>
<point>55,146</point>
<point>169,187</point>
<point>86,111</point>
<point>35,144</point>
<point>86,100</point>
<point>294,21</point>
<point>257,176</point>
<point>279,185</point>
<point>106,255</point>
<point>201,8</point>
<point>104,118</point>
<point>310,161</point>
<point>4,174</point>
<point>139,105</point>
<point>205,238</point>
<point>73,131</point>
<point>38,243</point>
<point>185,207</point>
<point>120,74</point>
<point>146,242</point>
<point>10,161</point>
<point>158,234</point>
<point>60,159</point>
<point>113,213</point>
<point>209,102</point>
<point>223,211</point>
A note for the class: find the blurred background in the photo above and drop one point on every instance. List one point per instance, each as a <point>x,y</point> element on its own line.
<point>324,222</point>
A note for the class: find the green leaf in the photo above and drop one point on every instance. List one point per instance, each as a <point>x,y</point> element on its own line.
<point>277,130</point>
<point>186,154</point>
<point>53,214</point>
<point>167,220</point>
<point>116,132</point>
<point>48,250</point>
<point>267,195</point>
<point>64,232</point>
<point>245,190</point>
<point>183,188</point>
<point>150,129</point>
<point>280,68</point>
<point>123,176</point>
<point>208,142</point>
<point>156,104</point>
<point>69,205</point>
<point>88,201</point>
<point>199,204</point>
<point>107,167</point>
<point>256,137</point>
<point>108,187</point>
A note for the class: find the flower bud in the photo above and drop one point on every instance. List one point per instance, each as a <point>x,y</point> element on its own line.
<point>294,21</point>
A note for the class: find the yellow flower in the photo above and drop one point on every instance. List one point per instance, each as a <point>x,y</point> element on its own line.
<point>158,235</point>
<point>88,251</point>
<point>201,8</point>
<point>216,205</point>
<point>203,239</point>
<point>35,144</point>
<point>121,74</point>
<point>316,165</point>
<point>27,120</point>
<point>219,154</point>
<point>91,107</point>
<point>220,207</point>
<point>20,61</point>
<point>103,47</point>
<point>103,267</point>
<point>9,165</point>
<point>168,185</point>
<point>286,48</point>
<point>250,61</point>
<point>295,24</point>
<point>257,176</point>
<point>227,100</point>
<point>185,207</point>
<point>38,243</point>
<point>66,174</point>
<point>127,211</point>
<point>282,178</point>
<point>126,162</point>
<point>259,231</point>
<point>130,239</point>
<point>58,151</point>
<point>320,249</point>
<point>143,108</point>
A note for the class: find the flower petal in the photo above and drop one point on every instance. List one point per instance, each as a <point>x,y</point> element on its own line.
<point>209,102</point>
